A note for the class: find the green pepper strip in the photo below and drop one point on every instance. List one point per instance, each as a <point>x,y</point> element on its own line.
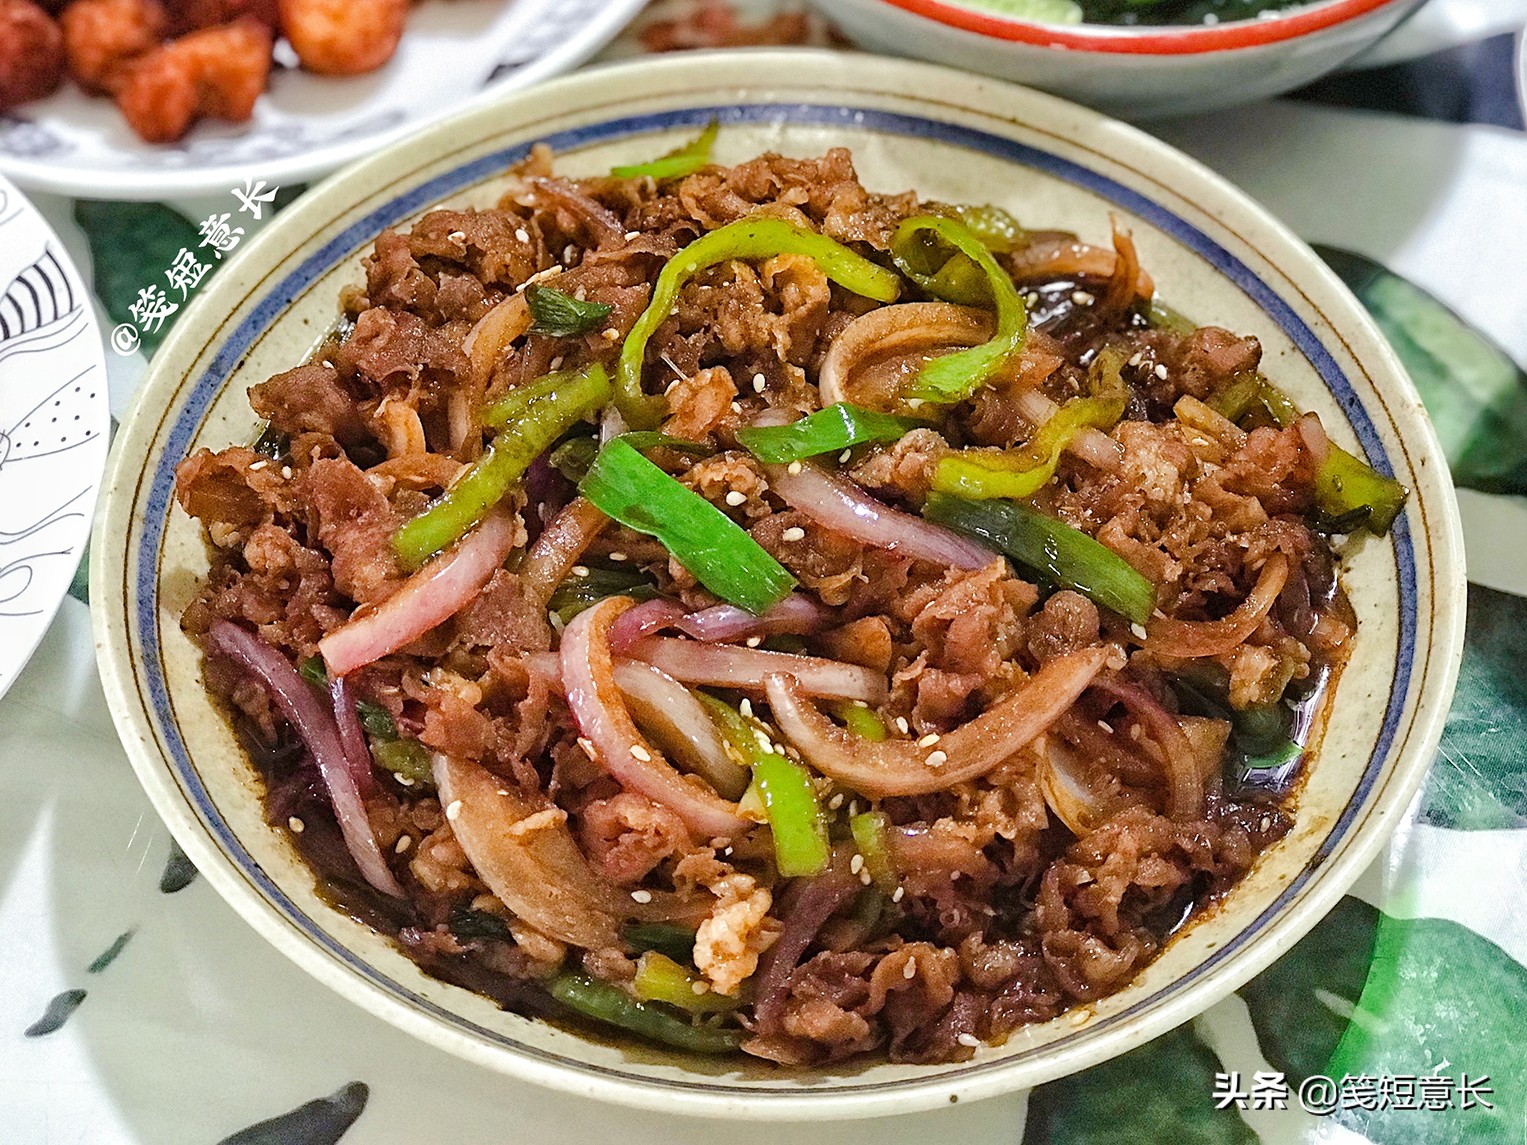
<point>1065,556</point>
<point>675,941</point>
<point>860,720</point>
<point>983,474</point>
<point>626,486</point>
<point>676,164</point>
<point>544,418</point>
<point>661,979</point>
<point>872,835</point>
<point>577,593</point>
<point>406,758</point>
<point>994,226</point>
<point>828,430</point>
<point>789,799</point>
<point>1347,488</point>
<point>954,377</point>
<point>613,1006</point>
<point>751,238</point>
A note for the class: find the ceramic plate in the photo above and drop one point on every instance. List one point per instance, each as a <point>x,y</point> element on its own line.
<point>53,426</point>
<point>1444,24</point>
<point>1213,254</point>
<point>454,53</point>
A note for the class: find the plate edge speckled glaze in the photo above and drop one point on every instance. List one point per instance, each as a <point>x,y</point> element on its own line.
<point>691,84</point>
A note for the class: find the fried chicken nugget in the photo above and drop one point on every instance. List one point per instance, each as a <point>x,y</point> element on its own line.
<point>31,53</point>
<point>343,37</point>
<point>217,72</point>
<point>192,15</point>
<point>102,37</point>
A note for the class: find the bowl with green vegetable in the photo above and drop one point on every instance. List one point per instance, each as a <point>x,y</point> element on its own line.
<point>1137,59</point>
<point>760,595</point>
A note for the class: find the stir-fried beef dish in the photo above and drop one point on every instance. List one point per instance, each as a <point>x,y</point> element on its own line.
<point>762,615</point>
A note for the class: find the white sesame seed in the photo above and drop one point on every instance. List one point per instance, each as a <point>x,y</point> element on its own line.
<point>555,364</point>
<point>457,236</point>
<point>641,753</point>
<point>902,725</point>
<point>866,878</point>
<point>938,758</point>
<point>521,233</point>
<point>404,780</point>
<point>580,570</point>
<point>1082,298</point>
<point>618,556</point>
<point>746,708</point>
<point>909,971</point>
<point>258,465</point>
<point>1031,298</point>
<point>735,498</point>
<point>296,825</point>
<point>453,810</point>
<point>286,472</point>
<point>610,334</point>
<point>587,745</point>
<point>1136,358</point>
<point>1161,372</point>
<point>928,740</point>
<point>762,739</point>
<point>897,894</point>
<point>794,533</point>
<point>633,235</point>
<point>856,864</point>
<point>736,407</point>
<point>1106,726</point>
<point>793,468</point>
<point>845,456</point>
<point>753,641</point>
<point>969,1040</point>
<point>569,252</point>
<point>1138,630</point>
<point>853,808</point>
<point>641,896</point>
<point>700,986</point>
<point>835,802</point>
<point>759,382</point>
<point>914,403</point>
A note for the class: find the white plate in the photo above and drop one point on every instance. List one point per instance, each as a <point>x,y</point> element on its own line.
<point>53,426</point>
<point>1444,24</point>
<point>453,53</point>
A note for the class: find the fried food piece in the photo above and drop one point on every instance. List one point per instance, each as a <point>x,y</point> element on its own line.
<point>216,72</point>
<point>343,37</point>
<point>193,15</point>
<point>103,37</point>
<point>31,53</point>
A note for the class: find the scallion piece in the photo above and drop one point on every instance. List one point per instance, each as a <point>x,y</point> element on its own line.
<point>626,486</point>
<point>829,430</point>
<point>1066,557</point>
<point>560,315</point>
<point>676,164</point>
<point>613,1006</point>
<point>661,979</point>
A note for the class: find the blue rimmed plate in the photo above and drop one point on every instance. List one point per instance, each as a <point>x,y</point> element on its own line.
<point>1215,256</point>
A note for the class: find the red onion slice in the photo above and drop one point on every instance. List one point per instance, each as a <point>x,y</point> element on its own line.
<point>643,620</point>
<point>351,735</point>
<point>821,898</point>
<point>315,724</point>
<point>1180,764</point>
<point>588,671</point>
<point>728,666</point>
<point>724,623</point>
<point>670,711</point>
<point>841,505</point>
<point>557,549</point>
<point>902,767</point>
<point>522,848</point>
<point>430,597</point>
<point>1189,639</point>
<point>1090,444</point>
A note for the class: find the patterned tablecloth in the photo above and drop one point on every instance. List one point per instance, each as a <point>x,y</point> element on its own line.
<point>138,1008</point>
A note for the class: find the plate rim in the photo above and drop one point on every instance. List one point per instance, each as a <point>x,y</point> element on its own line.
<point>1294,261</point>
<point>613,17</point>
<point>101,407</point>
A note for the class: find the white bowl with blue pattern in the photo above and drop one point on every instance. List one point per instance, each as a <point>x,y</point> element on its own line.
<point>1214,255</point>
